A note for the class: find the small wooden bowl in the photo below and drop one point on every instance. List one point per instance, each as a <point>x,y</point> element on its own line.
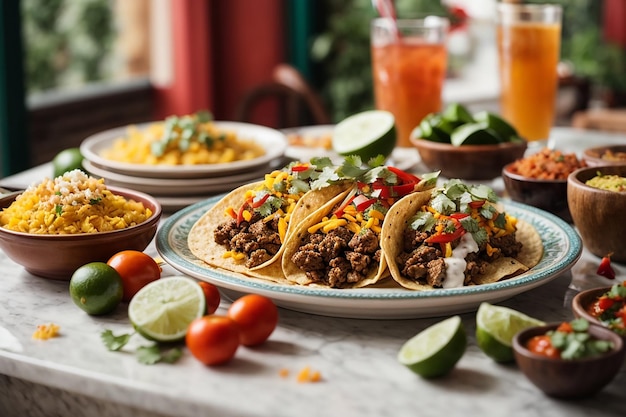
<point>598,214</point>
<point>596,156</point>
<point>469,162</point>
<point>569,378</point>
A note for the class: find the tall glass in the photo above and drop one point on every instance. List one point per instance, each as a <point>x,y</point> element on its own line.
<point>529,40</point>
<point>409,68</point>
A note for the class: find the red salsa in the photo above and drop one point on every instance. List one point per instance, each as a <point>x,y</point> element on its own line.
<point>610,308</point>
<point>570,341</point>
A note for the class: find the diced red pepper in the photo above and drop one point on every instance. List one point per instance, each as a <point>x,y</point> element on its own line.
<point>459,216</point>
<point>299,168</point>
<point>476,204</point>
<point>345,203</point>
<point>447,237</point>
<point>405,177</point>
<point>604,303</point>
<point>240,213</point>
<point>362,202</point>
<point>605,269</point>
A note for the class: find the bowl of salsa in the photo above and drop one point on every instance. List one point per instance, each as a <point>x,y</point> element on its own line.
<point>605,306</point>
<point>570,359</point>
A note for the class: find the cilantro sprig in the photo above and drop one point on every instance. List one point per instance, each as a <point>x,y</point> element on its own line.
<point>147,355</point>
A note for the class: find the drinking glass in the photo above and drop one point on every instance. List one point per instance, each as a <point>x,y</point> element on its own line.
<point>529,40</point>
<point>409,60</point>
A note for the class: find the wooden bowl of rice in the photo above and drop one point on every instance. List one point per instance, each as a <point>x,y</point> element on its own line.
<point>32,237</point>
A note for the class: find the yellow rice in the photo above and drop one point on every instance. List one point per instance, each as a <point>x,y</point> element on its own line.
<point>71,204</point>
<point>135,147</point>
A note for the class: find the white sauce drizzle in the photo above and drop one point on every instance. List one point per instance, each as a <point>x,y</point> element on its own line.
<point>455,264</point>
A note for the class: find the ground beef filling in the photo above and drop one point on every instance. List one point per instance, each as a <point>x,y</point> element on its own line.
<point>425,264</point>
<point>258,239</point>
<point>338,258</point>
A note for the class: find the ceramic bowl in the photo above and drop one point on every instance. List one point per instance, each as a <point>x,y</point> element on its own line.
<point>469,162</point>
<point>605,155</point>
<point>569,378</point>
<point>548,195</point>
<point>58,256</point>
<point>583,301</point>
<point>598,214</point>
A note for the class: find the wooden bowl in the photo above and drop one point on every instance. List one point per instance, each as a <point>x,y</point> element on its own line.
<point>548,195</point>
<point>470,162</point>
<point>569,378</point>
<point>583,301</point>
<point>597,156</point>
<point>598,214</point>
<point>58,256</point>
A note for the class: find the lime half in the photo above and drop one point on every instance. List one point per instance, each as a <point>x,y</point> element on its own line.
<point>495,328</point>
<point>163,309</point>
<point>366,134</point>
<point>494,122</point>
<point>434,351</point>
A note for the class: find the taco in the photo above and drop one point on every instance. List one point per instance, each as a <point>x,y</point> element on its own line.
<point>456,236</point>
<point>338,246</point>
<point>245,231</point>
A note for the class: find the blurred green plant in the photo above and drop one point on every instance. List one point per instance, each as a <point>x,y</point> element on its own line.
<point>67,43</point>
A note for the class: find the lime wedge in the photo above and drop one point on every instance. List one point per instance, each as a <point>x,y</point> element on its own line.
<point>366,134</point>
<point>495,328</point>
<point>457,113</point>
<point>494,122</point>
<point>434,351</point>
<point>474,134</point>
<point>429,129</point>
<point>163,309</point>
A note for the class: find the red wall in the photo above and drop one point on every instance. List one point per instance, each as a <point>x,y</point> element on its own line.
<point>221,49</point>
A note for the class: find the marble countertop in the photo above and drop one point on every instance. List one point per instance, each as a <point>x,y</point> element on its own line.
<point>74,374</point>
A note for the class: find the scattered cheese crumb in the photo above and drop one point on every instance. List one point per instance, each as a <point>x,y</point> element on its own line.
<point>46,331</point>
<point>284,372</point>
<point>308,375</point>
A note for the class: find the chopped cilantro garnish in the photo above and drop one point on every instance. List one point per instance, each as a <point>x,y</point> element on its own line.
<point>95,201</point>
<point>422,220</point>
<point>58,209</point>
<point>148,355</point>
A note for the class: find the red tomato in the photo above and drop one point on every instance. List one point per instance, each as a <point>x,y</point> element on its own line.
<point>213,339</point>
<point>256,317</point>
<point>136,269</point>
<point>211,295</point>
<point>541,345</point>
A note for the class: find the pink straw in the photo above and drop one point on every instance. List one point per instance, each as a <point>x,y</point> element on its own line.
<point>387,10</point>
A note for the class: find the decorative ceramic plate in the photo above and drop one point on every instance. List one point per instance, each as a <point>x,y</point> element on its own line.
<point>562,248</point>
<point>178,186</point>
<point>272,140</point>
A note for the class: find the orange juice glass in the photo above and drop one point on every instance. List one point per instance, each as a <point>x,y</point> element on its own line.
<point>529,39</point>
<point>408,69</point>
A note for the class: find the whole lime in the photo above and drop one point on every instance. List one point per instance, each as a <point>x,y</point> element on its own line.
<point>96,288</point>
<point>67,160</point>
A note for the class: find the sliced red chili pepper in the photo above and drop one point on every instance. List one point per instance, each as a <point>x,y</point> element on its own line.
<point>299,168</point>
<point>459,216</point>
<point>404,176</point>
<point>605,269</point>
<point>240,213</point>
<point>346,201</point>
<point>447,237</point>
<point>363,203</point>
<point>260,202</point>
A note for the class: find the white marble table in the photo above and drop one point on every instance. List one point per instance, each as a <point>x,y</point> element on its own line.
<point>75,375</point>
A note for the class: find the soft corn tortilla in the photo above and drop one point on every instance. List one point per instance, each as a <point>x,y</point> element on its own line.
<point>398,219</point>
<point>202,243</point>
<point>297,276</point>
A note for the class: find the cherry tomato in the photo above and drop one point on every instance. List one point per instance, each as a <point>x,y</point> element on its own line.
<point>213,339</point>
<point>211,295</point>
<point>256,317</point>
<point>136,269</point>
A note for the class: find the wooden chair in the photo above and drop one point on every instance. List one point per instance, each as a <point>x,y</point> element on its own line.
<point>298,104</point>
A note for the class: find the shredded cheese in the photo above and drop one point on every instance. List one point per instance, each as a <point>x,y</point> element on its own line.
<point>46,331</point>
